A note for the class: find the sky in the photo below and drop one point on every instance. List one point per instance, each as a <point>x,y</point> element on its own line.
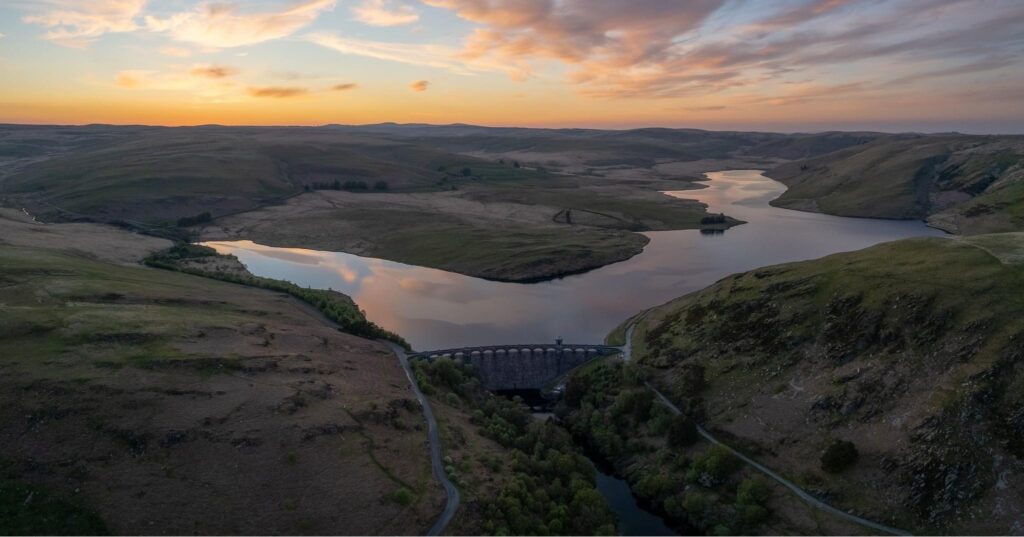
<point>797,65</point>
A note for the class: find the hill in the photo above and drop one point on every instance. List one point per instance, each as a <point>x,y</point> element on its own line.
<point>154,176</point>
<point>151,401</point>
<point>962,184</point>
<point>911,351</point>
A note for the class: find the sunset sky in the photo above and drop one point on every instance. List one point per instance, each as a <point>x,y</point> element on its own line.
<point>927,65</point>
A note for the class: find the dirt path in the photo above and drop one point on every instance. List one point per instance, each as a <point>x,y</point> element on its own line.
<point>627,351</point>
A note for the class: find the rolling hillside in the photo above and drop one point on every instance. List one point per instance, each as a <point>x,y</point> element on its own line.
<point>963,184</point>
<point>910,350</point>
<point>151,401</point>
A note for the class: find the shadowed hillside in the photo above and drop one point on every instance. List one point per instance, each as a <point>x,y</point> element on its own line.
<point>910,350</point>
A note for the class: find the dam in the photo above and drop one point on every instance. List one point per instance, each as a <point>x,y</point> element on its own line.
<point>521,366</point>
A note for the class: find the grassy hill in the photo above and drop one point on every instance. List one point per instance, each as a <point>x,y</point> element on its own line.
<point>910,350</point>
<point>964,184</point>
<point>157,175</point>
<point>137,400</point>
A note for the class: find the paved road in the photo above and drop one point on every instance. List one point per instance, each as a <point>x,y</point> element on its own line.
<point>627,353</point>
<point>436,463</point>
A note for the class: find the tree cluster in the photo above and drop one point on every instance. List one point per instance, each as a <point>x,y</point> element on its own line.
<point>551,490</point>
<point>611,408</point>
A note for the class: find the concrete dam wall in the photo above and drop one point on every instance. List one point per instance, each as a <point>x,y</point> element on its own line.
<point>521,367</point>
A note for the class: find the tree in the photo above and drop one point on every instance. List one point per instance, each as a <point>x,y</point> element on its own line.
<point>466,172</point>
<point>753,491</point>
<point>838,456</point>
<point>682,432</point>
<point>380,185</point>
<point>190,221</point>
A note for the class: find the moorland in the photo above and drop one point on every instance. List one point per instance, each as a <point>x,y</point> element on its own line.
<point>201,399</point>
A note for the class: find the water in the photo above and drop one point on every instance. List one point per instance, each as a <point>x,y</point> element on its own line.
<point>435,309</point>
<point>632,519</point>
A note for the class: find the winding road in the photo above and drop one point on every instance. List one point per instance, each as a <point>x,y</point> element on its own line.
<point>627,354</point>
<point>437,465</point>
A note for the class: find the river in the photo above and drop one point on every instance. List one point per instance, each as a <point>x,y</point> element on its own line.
<point>435,309</point>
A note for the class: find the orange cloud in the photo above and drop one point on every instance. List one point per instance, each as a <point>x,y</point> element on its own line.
<point>419,85</point>
<point>344,87</point>
<point>214,71</point>
<point>278,92</point>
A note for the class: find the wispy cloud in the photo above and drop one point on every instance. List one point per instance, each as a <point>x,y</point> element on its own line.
<point>419,85</point>
<point>670,49</point>
<point>217,25</point>
<point>77,23</point>
<point>384,13</point>
<point>214,71</point>
<point>278,92</point>
<point>344,87</point>
<point>422,54</point>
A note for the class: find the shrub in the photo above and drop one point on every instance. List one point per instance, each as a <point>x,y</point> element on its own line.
<point>380,185</point>
<point>402,496</point>
<point>838,456</point>
<point>753,515</point>
<point>716,463</point>
<point>355,185</point>
<point>713,219</point>
<point>682,431</point>
<point>190,221</point>
<point>753,491</point>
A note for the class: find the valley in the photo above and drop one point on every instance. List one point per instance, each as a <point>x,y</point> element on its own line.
<point>551,234</point>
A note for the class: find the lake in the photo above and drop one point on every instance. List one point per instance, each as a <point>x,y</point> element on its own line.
<point>435,309</point>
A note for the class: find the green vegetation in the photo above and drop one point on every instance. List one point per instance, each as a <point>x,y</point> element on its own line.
<point>403,497</point>
<point>335,306</point>
<point>200,218</point>
<point>30,510</point>
<point>713,219</point>
<point>610,408</point>
<point>118,378</point>
<point>964,184</point>
<point>551,487</point>
<point>844,346</point>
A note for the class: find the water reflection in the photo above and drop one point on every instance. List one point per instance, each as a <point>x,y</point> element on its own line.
<point>435,309</point>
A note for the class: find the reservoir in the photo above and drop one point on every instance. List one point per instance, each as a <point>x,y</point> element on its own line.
<point>435,309</point>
